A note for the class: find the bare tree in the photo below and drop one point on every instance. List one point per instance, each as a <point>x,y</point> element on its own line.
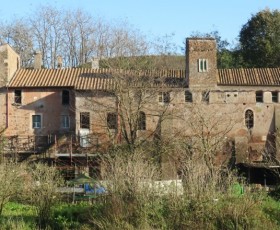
<point>18,35</point>
<point>203,152</point>
<point>209,137</point>
<point>78,36</point>
<point>47,33</point>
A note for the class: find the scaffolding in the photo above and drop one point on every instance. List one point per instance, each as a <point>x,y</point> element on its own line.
<point>71,154</point>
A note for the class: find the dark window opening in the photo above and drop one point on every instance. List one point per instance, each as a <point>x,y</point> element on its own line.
<point>188,96</point>
<point>206,96</point>
<point>142,121</point>
<point>84,120</point>
<point>274,96</point>
<point>249,119</point>
<point>65,97</point>
<point>18,96</point>
<point>112,121</point>
<point>259,96</point>
<point>164,97</point>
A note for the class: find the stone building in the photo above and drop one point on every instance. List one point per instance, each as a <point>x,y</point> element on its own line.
<point>242,105</point>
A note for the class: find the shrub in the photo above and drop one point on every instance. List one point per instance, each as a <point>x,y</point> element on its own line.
<point>42,191</point>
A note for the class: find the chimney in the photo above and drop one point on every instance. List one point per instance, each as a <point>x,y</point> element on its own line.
<point>37,60</point>
<point>95,63</point>
<point>59,62</point>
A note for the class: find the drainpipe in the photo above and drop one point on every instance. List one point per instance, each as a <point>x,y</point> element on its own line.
<point>7,108</point>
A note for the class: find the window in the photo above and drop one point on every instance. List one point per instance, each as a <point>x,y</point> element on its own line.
<point>188,96</point>
<point>112,121</point>
<point>205,96</point>
<point>18,96</point>
<point>65,97</point>
<point>249,119</point>
<point>274,96</point>
<point>259,96</point>
<point>84,120</point>
<point>65,121</point>
<point>164,97</point>
<point>142,121</point>
<point>36,121</point>
<point>202,65</point>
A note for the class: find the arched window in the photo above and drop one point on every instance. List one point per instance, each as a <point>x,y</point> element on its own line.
<point>142,121</point>
<point>249,119</point>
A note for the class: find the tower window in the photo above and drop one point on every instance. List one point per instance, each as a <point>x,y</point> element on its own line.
<point>249,119</point>
<point>202,65</point>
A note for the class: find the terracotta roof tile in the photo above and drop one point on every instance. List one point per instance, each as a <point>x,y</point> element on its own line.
<point>85,79</point>
<point>249,77</point>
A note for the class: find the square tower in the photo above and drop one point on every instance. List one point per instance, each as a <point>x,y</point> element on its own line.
<point>201,66</point>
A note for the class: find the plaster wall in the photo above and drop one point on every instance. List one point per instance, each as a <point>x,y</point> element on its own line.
<point>9,63</point>
<point>44,102</point>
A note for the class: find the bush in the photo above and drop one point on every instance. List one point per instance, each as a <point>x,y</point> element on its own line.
<point>42,191</point>
<point>271,208</point>
<point>70,216</point>
<point>131,194</point>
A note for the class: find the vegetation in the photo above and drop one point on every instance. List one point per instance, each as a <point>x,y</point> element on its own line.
<point>42,191</point>
<point>259,37</point>
<point>35,186</point>
<point>135,201</point>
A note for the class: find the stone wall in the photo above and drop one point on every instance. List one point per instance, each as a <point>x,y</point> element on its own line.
<point>201,49</point>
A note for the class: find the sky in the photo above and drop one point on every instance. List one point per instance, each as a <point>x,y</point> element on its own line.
<point>158,18</point>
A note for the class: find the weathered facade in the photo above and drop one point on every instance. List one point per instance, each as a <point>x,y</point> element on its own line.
<point>243,103</point>
<point>9,64</point>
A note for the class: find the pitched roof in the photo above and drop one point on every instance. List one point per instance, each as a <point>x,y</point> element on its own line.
<point>249,77</point>
<point>101,79</point>
<point>88,79</point>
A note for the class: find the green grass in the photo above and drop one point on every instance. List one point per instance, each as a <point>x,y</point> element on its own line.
<point>65,216</point>
<point>271,208</point>
<point>80,216</point>
<point>18,216</point>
